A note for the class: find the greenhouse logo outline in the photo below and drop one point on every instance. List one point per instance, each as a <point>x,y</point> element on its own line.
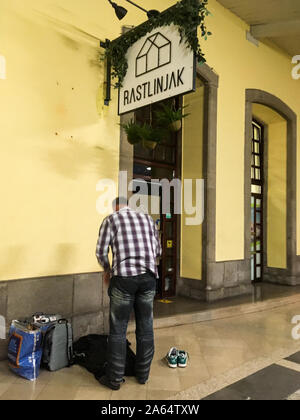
<point>155,53</point>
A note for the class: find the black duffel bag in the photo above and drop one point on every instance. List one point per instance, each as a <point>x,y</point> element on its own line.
<point>90,352</point>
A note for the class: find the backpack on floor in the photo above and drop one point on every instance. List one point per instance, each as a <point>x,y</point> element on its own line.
<point>58,346</point>
<point>90,352</point>
<point>57,341</point>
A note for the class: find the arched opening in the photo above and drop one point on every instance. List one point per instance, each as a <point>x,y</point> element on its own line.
<point>270,219</point>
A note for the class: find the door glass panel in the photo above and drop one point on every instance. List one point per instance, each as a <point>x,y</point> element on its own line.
<point>258,272</point>
<point>169,140</point>
<point>255,189</point>
<point>142,152</point>
<point>169,265</point>
<point>168,284</point>
<point>169,252</point>
<point>170,155</point>
<point>142,170</point>
<point>258,218</point>
<point>258,259</point>
<point>169,230</point>
<point>160,153</point>
<point>162,173</point>
<point>257,203</point>
<point>258,231</point>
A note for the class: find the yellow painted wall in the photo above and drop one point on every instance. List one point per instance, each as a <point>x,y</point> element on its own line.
<point>54,144</point>
<point>57,139</point>
<point>277,177</point>
<point>192,168</point>
<point>241,65</point>
<point>48,192</point>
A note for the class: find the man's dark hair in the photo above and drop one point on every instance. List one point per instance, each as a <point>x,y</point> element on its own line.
<point>119,201</point>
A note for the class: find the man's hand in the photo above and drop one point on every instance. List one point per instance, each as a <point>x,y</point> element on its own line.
<point>106,277</point>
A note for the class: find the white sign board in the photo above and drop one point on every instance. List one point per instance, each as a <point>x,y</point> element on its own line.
<point>159,67</point>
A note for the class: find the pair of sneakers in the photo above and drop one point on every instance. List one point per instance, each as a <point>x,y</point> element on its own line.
<point>177,358</point>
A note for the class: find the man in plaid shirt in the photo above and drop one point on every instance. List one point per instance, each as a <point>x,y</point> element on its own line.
<point>135,245</point>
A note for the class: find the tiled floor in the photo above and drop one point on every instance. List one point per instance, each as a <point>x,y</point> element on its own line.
<point>216,348</point>
<point>277,382</point>
<point>274,383</point>
<point>262,292</point>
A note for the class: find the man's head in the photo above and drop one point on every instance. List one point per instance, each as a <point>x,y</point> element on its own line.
<point>119,203</point>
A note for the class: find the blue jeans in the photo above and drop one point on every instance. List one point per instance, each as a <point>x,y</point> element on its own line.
<point>126,294</point>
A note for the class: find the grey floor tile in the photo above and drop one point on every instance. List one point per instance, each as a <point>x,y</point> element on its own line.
<point>273,383</point>
<point>295,358</point>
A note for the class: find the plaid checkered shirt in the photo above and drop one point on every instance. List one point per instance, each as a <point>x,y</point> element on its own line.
<point>134,241</point>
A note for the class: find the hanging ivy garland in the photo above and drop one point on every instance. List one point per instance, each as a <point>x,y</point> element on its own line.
<point>188,15</point>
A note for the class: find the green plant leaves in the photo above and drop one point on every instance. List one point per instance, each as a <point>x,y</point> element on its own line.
<point>148,134</point>
<point>167,115</point>
<point>133,132</point>
<point>145,134</point>
<point>188,15</point>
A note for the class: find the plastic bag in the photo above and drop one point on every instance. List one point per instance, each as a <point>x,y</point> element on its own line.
<point>25,350</point>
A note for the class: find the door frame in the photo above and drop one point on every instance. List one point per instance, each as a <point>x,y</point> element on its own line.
<point>291,275</point>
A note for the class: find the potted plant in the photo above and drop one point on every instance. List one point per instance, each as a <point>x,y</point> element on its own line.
<point>133,132</point>
<point>145,134</point>
<point>171,118</point>
<point>150,136</point>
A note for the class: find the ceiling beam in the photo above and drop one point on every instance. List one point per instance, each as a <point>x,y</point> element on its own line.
<point>275,30</point>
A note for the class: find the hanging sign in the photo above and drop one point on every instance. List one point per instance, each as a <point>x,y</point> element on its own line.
<point>159,67</point>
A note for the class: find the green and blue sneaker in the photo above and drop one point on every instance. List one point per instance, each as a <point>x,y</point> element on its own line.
<point>182,359</point>
<point>172,357</point>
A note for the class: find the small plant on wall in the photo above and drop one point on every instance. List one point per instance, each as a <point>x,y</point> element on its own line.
<point>187,15</point>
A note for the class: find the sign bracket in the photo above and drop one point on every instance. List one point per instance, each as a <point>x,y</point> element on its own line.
<point>108,73</point>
